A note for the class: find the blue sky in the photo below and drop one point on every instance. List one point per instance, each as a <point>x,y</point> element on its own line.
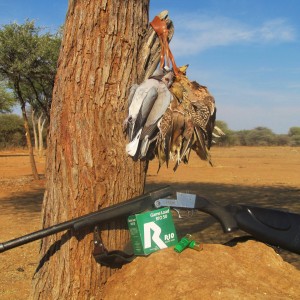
<point>247,52</point>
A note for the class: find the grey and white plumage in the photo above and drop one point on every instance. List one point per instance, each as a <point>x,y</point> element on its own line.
<point>147,104</point>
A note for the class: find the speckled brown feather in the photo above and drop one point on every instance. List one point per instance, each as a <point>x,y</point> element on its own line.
<point>188,123</point>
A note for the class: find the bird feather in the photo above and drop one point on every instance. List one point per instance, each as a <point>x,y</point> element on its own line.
<point>140,108</point>
<point>131,148</point>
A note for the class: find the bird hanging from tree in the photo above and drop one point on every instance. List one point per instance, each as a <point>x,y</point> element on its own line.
<point>188,123</point>
<point>169,115</point>
<point>147,104</point>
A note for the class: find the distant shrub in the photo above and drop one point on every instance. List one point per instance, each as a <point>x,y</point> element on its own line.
<point>259,136</point>
<point>295,140</point>
<point>12,133</point>
<point>294,131</point>
<point>283,140</point>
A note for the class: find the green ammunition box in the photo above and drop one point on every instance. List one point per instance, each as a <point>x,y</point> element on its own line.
<point>152,231</point>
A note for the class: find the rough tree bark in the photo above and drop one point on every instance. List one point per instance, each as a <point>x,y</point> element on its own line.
<point>87,167</point>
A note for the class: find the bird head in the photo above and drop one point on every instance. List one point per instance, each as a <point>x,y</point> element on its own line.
<point>159,73</point>
<point>183,69</point>
<point>168,79</point>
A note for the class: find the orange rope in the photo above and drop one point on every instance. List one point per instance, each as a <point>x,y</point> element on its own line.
<point>160,27</point>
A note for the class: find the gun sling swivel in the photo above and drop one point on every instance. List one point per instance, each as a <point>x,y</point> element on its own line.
<point>112,259</point>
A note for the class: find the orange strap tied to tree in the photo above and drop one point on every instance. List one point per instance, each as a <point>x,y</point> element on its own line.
<point>160,27</point>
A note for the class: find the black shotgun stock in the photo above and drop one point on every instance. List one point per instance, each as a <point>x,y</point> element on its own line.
<point>125,208</point>
<point>227,220</point>
<point>272,226</point>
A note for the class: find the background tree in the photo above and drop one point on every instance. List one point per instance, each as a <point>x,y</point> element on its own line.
<point>7,100</point>
<point>259,136</point>
<point>28,64</point>
<point>282,140</point>
<point>262,136</point>
<point>41,78</point>
<point>294,134</point>
<point>38,123</point>
<point>11,131</point>
<point>294,131</point>
<point>107,46</point>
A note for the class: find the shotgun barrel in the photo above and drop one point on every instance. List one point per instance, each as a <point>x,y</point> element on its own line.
<point>125,208</point>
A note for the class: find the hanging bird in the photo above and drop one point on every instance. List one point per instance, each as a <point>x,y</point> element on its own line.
<point>188,123</point>
<point>147,104</point>
<point>169,115</point>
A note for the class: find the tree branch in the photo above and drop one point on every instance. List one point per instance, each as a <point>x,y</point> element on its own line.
<point>44,108</point>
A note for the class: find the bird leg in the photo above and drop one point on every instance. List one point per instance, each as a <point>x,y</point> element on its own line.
<point>178,158</point>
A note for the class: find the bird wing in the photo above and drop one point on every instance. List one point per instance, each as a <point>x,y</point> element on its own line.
<point>163,140</point>
<point>131,93</point>
<point>158,109</point>
<point>189,125</point>
<point>204,114</point>
<point>141,105</point>
<point>200,145</point>
<point>188,135</point>
<point>210,126</point>
<point>178,120</point>
<point>160,106</point>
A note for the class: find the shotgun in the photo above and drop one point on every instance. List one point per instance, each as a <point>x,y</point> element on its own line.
<point>132,206</point>
<point>275,227</point>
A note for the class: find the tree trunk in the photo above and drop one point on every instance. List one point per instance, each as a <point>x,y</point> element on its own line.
<point>27,131</point>
<point>41,123</point>
<point>36,147</point>
<point>87,167</point>
<point>29,144</point>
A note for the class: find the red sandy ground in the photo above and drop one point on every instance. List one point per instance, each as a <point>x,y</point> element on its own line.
<point>265,176</point>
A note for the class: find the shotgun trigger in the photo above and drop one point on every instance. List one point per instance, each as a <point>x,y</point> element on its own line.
<point>178,213</point>
<point>112,259</point>
<point>184,213</point>
<point>99,248</point>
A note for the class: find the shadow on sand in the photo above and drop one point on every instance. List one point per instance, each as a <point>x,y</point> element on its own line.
<point>223,194</point>
<point>27,202</point>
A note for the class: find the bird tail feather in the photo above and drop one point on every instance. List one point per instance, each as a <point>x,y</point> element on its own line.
<point>131,148</point>
<point>201,149</point>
